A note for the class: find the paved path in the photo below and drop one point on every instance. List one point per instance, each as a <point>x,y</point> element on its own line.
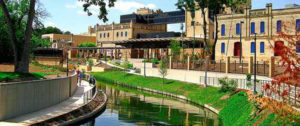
<point>70,104</point>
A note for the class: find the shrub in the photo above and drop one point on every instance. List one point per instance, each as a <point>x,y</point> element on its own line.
<point>90,62</point>
<point>155,60</point>
<point>227,84</point>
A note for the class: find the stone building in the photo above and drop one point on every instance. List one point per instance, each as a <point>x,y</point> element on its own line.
<point>267,23</point>
<point>62,41</point>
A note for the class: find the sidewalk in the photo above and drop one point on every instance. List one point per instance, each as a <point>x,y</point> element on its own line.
<point>74,102</point>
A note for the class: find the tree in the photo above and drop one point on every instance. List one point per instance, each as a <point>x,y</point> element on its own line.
<point>163,70</point>
<point>207,5</point>
<point>175,49</point>
<point>14,14</point>
<point>87,44</point>
<point>20,15</point>
<point>286,84</point>
<point>67,33</point>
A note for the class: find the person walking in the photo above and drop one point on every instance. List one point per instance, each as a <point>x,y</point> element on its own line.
<point>81,77</point>
<point>92,80</point>
<point>78,75</point>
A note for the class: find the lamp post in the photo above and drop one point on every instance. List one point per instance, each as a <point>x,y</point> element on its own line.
<point>67,62</point>
<point>254,83</point>
<point>241,50</point>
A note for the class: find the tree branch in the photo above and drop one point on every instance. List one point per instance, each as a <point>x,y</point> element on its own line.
<point>11,29</point>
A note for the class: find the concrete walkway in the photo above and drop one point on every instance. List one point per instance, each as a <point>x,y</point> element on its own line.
<point>74,102</point>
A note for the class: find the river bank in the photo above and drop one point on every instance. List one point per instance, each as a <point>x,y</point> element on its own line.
<point>235,109</point>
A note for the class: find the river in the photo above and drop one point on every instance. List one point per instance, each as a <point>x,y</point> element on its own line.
<point>132,108</point>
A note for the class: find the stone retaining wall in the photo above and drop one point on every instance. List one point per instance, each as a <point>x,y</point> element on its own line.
<point>25,97</point>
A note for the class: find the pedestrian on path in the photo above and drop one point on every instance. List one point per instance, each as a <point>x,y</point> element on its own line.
<point>92,80</point>
<point>78,75</point>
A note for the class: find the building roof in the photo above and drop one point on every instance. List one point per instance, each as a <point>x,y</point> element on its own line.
<point>185,39</point>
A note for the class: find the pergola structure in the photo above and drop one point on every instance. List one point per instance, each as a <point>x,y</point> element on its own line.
<point>154,47</point>
<point>137,48</point>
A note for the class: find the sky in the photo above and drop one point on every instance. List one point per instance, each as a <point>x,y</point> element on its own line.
<point>68,15</point>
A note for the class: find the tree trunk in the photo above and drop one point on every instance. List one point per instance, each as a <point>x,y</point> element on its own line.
<point>12,32</point>
<point>21,62</point>
<point>205,45</point>
<point>23,66</point>
<point>216,37</point>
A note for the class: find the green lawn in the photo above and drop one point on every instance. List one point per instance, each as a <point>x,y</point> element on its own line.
<point>235,110</point>
<point>5,76</point>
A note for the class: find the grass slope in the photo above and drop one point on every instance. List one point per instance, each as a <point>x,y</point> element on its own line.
<point>235,110</point>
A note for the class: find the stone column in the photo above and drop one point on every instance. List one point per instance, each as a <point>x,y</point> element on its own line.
<point>170,62</point>
<point>250,65</point>
<point>272,67</point>
<point>227,68</point>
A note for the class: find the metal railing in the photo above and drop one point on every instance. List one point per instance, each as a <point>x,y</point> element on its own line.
<point>88,96</point>
<point>242,84</point>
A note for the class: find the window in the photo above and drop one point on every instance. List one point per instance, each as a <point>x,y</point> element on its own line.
<point>262,27</point>
<point>252,27</point>
<point>104,35</point>
<point>121,34</point>
<point>107,35</point>
<point>298,47</point>
<point>223,47</point>
<point>117,34</point>
<point>126,34</point>
<point>100,35</point>
<point>238,28</point>
<point>278,26</point>
<point>223,29</point>
<point>298,25</point>
<point>252,47</point>
<point>262,47</point>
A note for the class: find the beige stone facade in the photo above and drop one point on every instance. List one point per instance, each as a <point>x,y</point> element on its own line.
<point>61,40</point>
<point>106,34</point>
<point>265,21</point>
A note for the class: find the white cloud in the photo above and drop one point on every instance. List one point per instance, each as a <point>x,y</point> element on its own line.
<point>121,5</point>
<point>49,23</point>
<point>128,6</point>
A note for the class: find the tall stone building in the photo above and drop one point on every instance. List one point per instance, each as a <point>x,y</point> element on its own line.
<point>267,23</point>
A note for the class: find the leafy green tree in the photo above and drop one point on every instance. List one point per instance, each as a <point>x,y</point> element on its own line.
<point>163,70</point>
<point>175,49</point>
<point>19,16</point>
<point>87,44</point>
<point>67,33</point>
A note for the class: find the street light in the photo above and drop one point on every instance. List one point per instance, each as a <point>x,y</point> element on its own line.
<point>241,50</point>
<point>255,63</point>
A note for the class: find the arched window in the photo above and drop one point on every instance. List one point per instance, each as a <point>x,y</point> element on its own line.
<point>104,35</point>
<point>125,33</point>
<point>278,26</point>
<point>100,35</point>
<point>262,47</point>
<point>252,27</point>
<point>223,47</point>
<point>117,34</point>
<point>262,27</point>
<point>223,29</point>
<point>121,34</point>
<point>252,47</point>
<point>107,35</point>
<point>238,28</point>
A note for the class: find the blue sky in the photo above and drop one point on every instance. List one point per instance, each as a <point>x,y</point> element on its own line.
<point>68,14</point>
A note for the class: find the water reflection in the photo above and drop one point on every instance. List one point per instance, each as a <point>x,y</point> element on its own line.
<point>131,109</point>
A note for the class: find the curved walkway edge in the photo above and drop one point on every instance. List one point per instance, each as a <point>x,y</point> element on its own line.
<point>180,97</point>
<point>100,108</point>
